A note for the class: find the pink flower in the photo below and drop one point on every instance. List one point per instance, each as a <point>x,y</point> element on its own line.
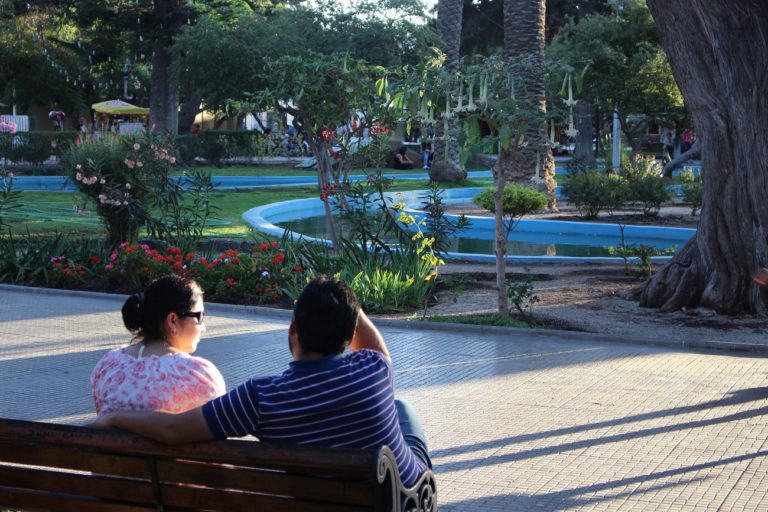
<point>130,163</point>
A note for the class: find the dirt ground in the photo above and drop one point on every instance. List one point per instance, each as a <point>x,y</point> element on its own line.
<point>591,297</point>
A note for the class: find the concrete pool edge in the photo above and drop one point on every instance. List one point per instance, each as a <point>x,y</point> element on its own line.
<point>288,210</point>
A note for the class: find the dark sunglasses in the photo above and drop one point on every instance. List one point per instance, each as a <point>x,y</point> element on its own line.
<point>200,315</point>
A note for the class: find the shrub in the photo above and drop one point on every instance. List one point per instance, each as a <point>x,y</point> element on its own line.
<point>190,147</point>
<point>35,147</point>
<point>9,198</point>
<point>518,200</point>
<point>592,191</point>
<point>693,187</point>
<point>651,192</point>
<point>646,184</point>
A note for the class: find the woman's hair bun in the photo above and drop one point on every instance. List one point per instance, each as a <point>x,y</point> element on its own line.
<point>132,312</point>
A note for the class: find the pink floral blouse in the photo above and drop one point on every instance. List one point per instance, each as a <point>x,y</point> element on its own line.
<point>172,383</point>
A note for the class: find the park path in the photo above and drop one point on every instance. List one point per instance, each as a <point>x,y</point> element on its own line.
<point>517,420</point>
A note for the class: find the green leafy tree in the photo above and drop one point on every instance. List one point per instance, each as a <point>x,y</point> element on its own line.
<point>628,70</point>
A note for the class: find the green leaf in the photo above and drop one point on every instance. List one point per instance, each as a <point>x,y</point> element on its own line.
<point>505,136</point>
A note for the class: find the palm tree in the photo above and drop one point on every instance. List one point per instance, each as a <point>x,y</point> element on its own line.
<point>447,166</point>
<point>524,32</point>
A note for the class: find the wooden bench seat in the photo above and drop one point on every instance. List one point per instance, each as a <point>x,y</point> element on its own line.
<point>69,468</point>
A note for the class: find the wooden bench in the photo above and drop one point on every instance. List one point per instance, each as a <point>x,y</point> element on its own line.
<point>69,468</point>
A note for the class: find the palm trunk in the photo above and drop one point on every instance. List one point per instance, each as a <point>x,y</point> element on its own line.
<point>447,162</point>
<point>524,33</point>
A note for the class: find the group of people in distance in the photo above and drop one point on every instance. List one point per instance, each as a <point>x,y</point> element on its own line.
<point>327,397</point>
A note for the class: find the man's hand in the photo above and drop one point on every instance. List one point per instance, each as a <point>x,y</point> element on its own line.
<point>367,336</point>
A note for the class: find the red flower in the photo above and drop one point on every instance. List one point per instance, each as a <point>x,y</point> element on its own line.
<point>231,252</point>
<point>263,246</point>
<point>279,258</point>
<point>230,282</point>
<point>94,259</point>
<point>299,268</point>
<point>174,250</point>
<point>190,256</point>
<point>177,266</point>
<point>273,245</point>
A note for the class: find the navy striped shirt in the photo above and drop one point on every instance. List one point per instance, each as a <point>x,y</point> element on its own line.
<point>337,401</point>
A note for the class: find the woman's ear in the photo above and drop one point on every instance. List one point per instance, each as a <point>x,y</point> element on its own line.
<point>171,323</point>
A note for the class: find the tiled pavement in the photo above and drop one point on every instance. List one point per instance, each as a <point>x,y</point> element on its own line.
<point>516,421</point>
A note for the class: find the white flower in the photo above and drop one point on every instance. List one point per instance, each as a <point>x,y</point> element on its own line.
<point>139,164</point>
<point>137,146</point>
<point>172,160</point>
<point>79,177</point>
<point>265,274</point>
<point>79,167</point>
<point>102,181</point>
<point>128,186</point>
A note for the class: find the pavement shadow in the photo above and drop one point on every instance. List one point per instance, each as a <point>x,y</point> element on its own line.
<point>736,398</point>
<point>581,496</point>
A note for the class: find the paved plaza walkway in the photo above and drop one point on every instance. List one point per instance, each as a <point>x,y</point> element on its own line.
<point>517,420</point>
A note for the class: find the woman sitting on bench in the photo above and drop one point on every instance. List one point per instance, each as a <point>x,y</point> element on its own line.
<point>156,372</point>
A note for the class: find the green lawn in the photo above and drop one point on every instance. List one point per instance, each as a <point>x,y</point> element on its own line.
<point>47,212</point>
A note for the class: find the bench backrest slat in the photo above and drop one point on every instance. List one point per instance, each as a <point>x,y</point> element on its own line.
<point>340,461</point>
<point>60,467</point>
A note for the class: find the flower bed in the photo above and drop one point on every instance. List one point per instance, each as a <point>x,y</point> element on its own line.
<point>233,276</point>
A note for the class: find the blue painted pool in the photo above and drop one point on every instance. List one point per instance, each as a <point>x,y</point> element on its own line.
<point>532,240</point>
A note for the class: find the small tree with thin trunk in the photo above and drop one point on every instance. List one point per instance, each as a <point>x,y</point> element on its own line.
<point>487,93</point>
<point>324,93</point>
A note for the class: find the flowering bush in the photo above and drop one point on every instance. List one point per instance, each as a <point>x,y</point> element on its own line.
<point>232,276</point>
<point>245,277</point>
<point>65,273</point>
<point>131,267</point>
<point>121,177</point>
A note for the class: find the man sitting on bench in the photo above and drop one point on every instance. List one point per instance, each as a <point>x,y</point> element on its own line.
<point>323,399</point>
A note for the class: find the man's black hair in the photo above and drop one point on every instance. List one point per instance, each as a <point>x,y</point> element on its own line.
<point>325,316</point>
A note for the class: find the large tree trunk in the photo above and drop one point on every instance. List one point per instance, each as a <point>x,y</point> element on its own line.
<point>447,165</point>
<point>163,93</point>
<point>524,37</point>
<point>718,50</point>
<point>188,111</point>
